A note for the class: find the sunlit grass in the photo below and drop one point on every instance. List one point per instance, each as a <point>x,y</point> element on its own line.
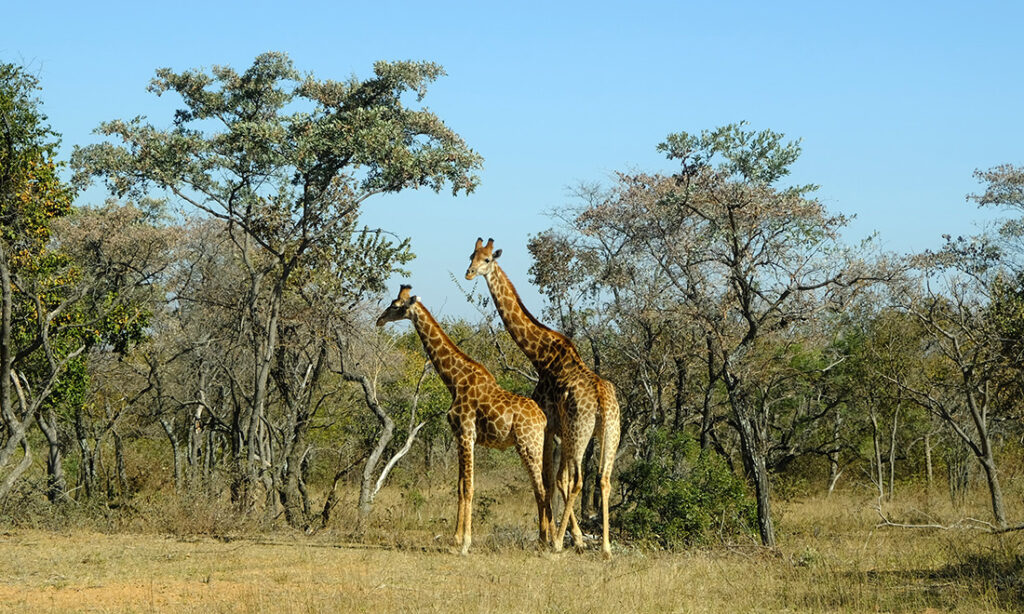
<point>832,558</point>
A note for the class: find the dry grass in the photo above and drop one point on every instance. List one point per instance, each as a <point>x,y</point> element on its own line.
<point>832,559</point>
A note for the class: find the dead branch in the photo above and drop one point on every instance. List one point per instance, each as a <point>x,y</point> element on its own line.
<point>967,523</point>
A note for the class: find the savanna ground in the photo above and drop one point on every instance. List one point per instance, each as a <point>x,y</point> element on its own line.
<point>197,557</point>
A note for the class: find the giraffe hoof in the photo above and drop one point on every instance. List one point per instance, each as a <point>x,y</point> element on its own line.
<point>606,555</point>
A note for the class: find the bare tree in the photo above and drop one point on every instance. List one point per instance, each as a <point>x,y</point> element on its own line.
<point>368,353</point>
<point>962,350</point>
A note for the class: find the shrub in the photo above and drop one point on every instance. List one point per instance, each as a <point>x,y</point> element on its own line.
<point>679,495</point>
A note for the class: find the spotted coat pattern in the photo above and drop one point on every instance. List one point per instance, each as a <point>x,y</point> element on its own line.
<point>577,402</point>
<point>482,412</point>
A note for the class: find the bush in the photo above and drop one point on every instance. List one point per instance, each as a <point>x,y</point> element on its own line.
<point>681,496</point>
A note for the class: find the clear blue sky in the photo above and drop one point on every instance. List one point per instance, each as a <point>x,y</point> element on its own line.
<point>896,103</point>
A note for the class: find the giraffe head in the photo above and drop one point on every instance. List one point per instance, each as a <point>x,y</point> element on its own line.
<point>400,308</point>
<point>481,261</point>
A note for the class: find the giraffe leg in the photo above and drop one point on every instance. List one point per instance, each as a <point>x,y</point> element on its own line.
<point>577,438</point>
<point>460,514</point>
<point>609,447</point>
<point>542,397</point>
<point>570,484</point>
<point>577,533</point>
<point>562,485</point>
<point>531,450</point>
<point>467,503</point>
<point>548,468</point>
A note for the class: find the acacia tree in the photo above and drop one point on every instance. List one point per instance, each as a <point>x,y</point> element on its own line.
<point>285,162</point>
<point>731,253</point>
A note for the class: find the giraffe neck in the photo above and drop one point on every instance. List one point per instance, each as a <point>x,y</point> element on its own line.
<point>449,361</point>
<point>530,335</point>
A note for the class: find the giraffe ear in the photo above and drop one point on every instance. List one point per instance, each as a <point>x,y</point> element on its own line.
<point>496,254</point>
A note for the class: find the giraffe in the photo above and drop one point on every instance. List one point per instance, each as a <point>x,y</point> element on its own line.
<point>574,398</point>
<point>482,412</point>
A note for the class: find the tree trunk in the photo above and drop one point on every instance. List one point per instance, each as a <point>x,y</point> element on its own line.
<point>168,426</point>
<point>369,469</point>
<point>979,413</point>
<point>995,491</point>
<point>833,473</point>
<point>193,455</point>
<point>14,424</point>
<point>928,473</point>
<point>209,461</point>
<point>762,491</point>
<point>680,396</point>
<point>266,346</point>
<point>8,481</point>
<point>833,454</point>
<point>56,483</point>
<point>296,505</point>
<point>707,418</point>
<point>754,461</point>
<point>877,470</point>
<point>892,452</point>
<point>122,473</point>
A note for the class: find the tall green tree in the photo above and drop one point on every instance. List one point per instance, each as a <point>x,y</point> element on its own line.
<point>285,161</point>
<point>32,279</point>
<point>61,291</point>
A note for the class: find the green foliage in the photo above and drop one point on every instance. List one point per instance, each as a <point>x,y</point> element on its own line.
<point>32,198</point>
<point>1006,312</point>
<point>680,496</point>
<point>31,193</point>
<point>755,157</point>
<point>290,145</point>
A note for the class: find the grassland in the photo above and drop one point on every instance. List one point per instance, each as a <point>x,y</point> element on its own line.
<point>832,558</point>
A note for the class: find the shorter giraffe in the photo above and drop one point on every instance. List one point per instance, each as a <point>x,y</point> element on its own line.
<point>482,412</point>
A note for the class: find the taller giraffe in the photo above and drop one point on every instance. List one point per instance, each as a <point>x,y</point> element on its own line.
<point>574,398</point>
<point>482,412</point>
